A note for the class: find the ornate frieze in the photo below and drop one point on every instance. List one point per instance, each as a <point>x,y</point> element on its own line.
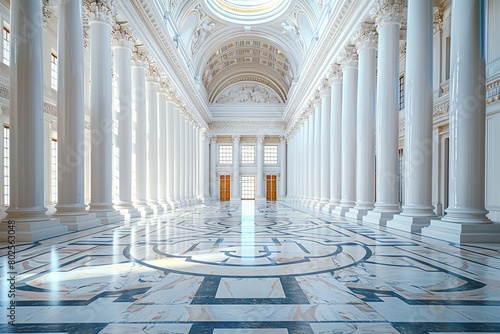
<point>248,93</point>
<point>123,36</point>
<point>493,92</point>
<point>283,139</point>
<point>4,92</point>
<point>50,109</point>
<point>389,11</point>
<point>366,37</point>
<point>101,10</point>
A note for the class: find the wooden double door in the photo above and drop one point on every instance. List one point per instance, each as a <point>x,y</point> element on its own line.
<point>225,187</point>
<point>271,187</point>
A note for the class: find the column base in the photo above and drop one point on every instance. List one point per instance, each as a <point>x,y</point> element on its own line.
<point>463,232</point>
<point>341,210</point>
<point>79,222</point>
<point>357,214</point>
<point>320,204</point>
<point>108,217</point>
<point>166,207</point>
<point>329,207</point>
<point>379,218</point>
<point>409,223</point>
<point>32,229</point>
<point>130,213</point>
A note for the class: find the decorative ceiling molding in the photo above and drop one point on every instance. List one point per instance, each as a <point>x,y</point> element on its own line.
<point>247,93</point>
<point>255,127</point>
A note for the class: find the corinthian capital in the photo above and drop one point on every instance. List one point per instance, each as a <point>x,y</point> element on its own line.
<point>236,139</point>
<point>324,88</point>
<point>101,10</point>
<point>366,37</point>
<point>123,36</point>
<point>152,73</point>
<point>335,76</point>
<point>260,139</point>
<point>140,57</point>
<point>348,58</point>
<point>389,11</point>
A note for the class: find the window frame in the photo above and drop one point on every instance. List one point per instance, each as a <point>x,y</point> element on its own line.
<point>243,156</point>
<point>6,45</point>
<point>53,70</point>
<point>274,155</point>
<point>225,157</point>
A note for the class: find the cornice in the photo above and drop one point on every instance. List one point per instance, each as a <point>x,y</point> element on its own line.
<point>259,127</point>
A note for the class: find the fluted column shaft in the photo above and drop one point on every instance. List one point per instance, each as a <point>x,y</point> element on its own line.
<point>123,118</point>
<point>26,134</point>
<point>317,150</point>
<point>259,193</point>
<point>101,109</point>
<point>336,137</point>
<point>326,104</point>
<point>387,117</point>
<point>205,172</point>
<point>177,159</point>
<point>349,96</point>
<point>235,191</point>
<point>170,152</point>
<point>213,167</point>
<point>312,159</point>
<point>152,135</point>
<point>162,147</point>
<point>71,113</point>
<point>367,88</point>
<point>282,186</point>
<point>140,146</point>
<point>182,156</point>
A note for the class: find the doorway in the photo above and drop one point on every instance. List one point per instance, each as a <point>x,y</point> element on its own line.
<point>271,187</point>
<point>225,187</point>
<point>248,187</point>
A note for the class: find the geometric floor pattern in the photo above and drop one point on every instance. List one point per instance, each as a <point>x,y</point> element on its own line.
<point>251,268</point>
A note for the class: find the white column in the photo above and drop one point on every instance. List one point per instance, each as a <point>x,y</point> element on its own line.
<point>326,105</point>
<point>259,186</point>
<point>366,44</point>
<point>140,133</point>
<point>152,135</point>
<point>311,158</point>
<point>388,20</point>
<point>71,208</point>
<point>205,167</point>
<point>349,63</point>
<point>170,151</point>
<point>122,48</point>
<point>335,138</point>
<point>181,155</point>
<point>307,157</point>
<point>177,157</point>
<point>101,111</point>
<point>283,168</point>
<point>190,163</point>
<point>213,167</point>
<point>26,124</point>
<point>418,209</point>
<point>162,145</point>
<point>465,219</point>
<point>317,152</point>
<point>235,191</point>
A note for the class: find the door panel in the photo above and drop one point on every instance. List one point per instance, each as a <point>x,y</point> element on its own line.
<point>271,187</point>
<point>225,187</point>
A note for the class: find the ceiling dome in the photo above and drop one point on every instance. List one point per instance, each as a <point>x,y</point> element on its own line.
<point>248,12</point>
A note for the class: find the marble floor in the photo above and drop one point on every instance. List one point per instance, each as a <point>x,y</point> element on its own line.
<point>250,268</point>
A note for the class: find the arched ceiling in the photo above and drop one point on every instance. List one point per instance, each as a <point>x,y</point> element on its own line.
<point>260,41</point>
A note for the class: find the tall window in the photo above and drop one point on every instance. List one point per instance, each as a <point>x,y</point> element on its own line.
<point>225,154</point>
<point>6,166</point>
<point>53,168</point>
<point>6,46</point>
<point>270,154</point>
<point>401,92</point>
<point>53,71</point>
<point>247,154</point>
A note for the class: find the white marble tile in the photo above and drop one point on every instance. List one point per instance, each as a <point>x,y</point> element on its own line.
<point>353,328</point>
<point>250,288</point>
<point>250,331</point>
<point>146,328</point>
